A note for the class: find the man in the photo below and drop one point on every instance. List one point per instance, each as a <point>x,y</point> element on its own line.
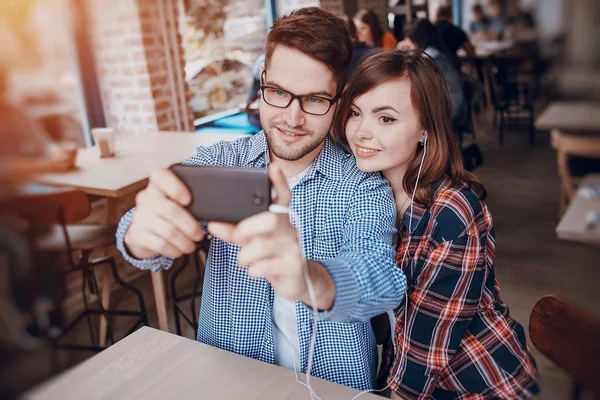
<point>453,37</point>
<point>346,219</point>
<point>480,23</point>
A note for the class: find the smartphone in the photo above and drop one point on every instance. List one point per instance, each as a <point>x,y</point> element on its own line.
<point>225,194</point>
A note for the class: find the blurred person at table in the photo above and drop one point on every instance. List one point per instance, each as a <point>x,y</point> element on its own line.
<point>359,49</point>
<point>498,20</point>
<point>520,23</point>
<point>453,37</point>
<point>453,336</point>
<point>255,299</point>
<point>371,32</point>
<point>25,147</point>
<point>421,35</point>
<point>479,26</point>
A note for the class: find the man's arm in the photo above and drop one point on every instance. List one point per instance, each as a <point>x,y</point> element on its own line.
<point>366,279</point>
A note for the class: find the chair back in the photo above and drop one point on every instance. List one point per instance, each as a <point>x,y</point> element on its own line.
<point>569,336</point>
<point>572,145</point>
<point>60,206</point>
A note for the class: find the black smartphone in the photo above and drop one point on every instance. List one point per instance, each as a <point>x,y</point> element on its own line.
<point>225,194</point>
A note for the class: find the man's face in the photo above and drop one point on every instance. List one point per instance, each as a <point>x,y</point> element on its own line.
<point>292,133</point>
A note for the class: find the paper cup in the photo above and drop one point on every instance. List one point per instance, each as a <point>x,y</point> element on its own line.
<point>105,141</point>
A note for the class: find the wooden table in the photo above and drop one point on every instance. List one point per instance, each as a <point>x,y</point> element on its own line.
<point>573,224</point>
<point>570,117</point>
<point>136,157</point>
<point>151,364</point>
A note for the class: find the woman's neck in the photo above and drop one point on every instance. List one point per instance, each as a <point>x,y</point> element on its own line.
<point>396,177</point>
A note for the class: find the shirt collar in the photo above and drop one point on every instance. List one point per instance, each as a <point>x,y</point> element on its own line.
<point>419,210</point>
<point>328,162</point>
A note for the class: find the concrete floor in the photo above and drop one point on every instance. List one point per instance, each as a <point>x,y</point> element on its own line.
<point>530,262</point>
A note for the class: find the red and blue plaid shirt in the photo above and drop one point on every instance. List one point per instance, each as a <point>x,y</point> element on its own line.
<point>460,341</point>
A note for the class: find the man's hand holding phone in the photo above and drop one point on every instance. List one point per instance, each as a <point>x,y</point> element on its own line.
<point>161,224</point>
<point>270,249</point>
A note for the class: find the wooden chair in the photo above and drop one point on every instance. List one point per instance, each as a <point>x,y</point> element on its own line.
<point>567,145</point>
<point>57,212</point>
<point>568,336</point>
<point>510,94</point>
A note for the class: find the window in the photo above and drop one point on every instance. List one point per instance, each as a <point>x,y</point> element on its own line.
<point>222,40</point>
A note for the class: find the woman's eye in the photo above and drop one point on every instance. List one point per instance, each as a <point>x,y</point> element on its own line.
<point>354,113</point>
<point>387,120</point>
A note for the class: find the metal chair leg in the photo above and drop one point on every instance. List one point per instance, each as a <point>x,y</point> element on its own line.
<point>103,311</point>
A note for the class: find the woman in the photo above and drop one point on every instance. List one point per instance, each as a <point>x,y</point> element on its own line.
<point>369,30</point>
<point>422,35</point>
<point>359,49</point>
<point>456,338</point>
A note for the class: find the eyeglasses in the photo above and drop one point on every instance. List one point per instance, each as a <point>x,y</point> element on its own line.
<point>314,105</point>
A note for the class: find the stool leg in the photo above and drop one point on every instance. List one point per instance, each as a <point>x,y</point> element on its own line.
<point>105,304</point>
<point>105,316</point>
<point>174,295</point>
<point>84,282</point>
<point>131,288</point>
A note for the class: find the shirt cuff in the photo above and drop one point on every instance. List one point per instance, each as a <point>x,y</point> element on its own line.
<point>347,291</point>
<point>154,264</point>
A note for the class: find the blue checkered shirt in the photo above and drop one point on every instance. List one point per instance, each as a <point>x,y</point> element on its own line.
<point>347,220</point>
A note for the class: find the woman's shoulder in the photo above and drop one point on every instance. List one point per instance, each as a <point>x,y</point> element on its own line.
<point>457,210</point>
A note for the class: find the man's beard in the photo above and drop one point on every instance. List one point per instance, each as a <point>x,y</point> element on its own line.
<point>294,151</point>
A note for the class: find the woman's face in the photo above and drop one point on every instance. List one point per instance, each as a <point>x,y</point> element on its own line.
<point>383,129</point>
<point>363,31</point>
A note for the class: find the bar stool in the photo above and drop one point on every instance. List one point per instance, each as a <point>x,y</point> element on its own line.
<point>58,211</point>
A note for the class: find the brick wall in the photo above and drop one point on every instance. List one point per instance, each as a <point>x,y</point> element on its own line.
<point>142,81</point>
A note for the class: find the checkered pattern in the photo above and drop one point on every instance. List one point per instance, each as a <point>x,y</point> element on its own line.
<point>347,220</point>
<point>461,341</point>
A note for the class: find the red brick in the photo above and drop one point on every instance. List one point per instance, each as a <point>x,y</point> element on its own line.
<point>143,83</point>
<point>138,56</point>
<point>121,83</point>
<point>148,41</point>
<point>127,71</point>
<point>160,80</point>
<point>131,107</point>
<point>155,67</point>
<point>148,107</point>
<point>163,105</point>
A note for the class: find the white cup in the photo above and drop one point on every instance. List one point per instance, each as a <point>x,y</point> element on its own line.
<point>105,141</point>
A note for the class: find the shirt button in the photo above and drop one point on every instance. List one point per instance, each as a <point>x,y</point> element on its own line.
<point>268,341</point>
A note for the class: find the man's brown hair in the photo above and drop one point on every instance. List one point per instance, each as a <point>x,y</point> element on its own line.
<point>317,33</point>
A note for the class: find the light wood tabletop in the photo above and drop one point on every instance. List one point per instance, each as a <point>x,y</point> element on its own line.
<point>136,157</point>
<point>573,225</point>
<point>570,117</point>
<point>151,364</point>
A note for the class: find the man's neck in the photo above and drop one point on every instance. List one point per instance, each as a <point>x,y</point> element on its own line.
<point>293,168</point>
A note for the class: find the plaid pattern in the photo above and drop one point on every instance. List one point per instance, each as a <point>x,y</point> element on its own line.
<point>461,341</point>
<point>347,220</point>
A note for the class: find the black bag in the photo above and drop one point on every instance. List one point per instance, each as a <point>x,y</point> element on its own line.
<point>472,157</point>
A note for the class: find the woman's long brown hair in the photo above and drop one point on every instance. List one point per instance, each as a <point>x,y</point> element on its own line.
<point>430,97</point>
